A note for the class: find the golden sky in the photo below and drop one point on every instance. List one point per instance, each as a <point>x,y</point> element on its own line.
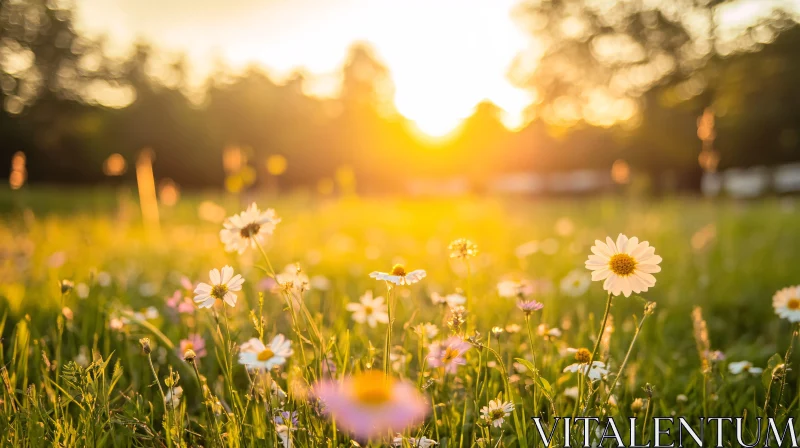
<point>445,56</point>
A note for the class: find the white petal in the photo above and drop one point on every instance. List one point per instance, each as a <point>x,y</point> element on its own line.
<point>214,276</point>
<point>611,246</point>
<point>622,243</point>
<point>227,273</point>
<point>601,274</point>
<point>230,298</point>
<point>601,249</point>
<point>632,244</point>
<point>235,284</point>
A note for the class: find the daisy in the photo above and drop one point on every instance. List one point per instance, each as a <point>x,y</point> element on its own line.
<point>195,343</point>
<point>370,310</point>
<point>596,372</point>
<point>399,276</point>
<point>285,434</point>
<point>173,396</point>
<point>496,412</point>
<point>292,278</point>
<point>575,284</point>
<point>255,355</point>
<point>371,404</point>
<point>626,266</point>
<point>529,306</point>
<point>428,330</point>
<point>787,303</point>
<point>450,300</point>
<point>221,288</point>
<point>448,354</point>
<point>744,366</point>
<point>248,228</point>
<point>422,442</point>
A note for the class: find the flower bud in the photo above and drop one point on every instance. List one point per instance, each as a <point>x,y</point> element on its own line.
<point>146,345</point>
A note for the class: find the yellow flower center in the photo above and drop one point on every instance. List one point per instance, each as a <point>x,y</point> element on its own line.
<point>583,356</point>
<point>189,346</point>
<point>372,388</point>
<point>250,230</point>
<point>622,264</point>
<point>793,304</point>
<point>266,354</point>
<point>368,310</point>
<point>219,291</point>
<point>450,354</point>
<point>398,269</point>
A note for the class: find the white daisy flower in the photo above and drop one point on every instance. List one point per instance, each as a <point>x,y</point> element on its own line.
<point>496,412</point>
<point>422,442</point>
<point>428,330</point>
<point>787,303</point>
<point>744,366</point>
<point>576,283</point>
<point>247,228</point>
<point>598,370</point>
<point>626,266</point>
<point>370,310</point>
<point>173,397</point>
<point>450,300</point>
<point>255,355</point>
<point>399,276</point>
<point>222,287</point>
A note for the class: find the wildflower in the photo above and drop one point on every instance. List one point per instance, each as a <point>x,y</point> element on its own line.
<point>173,397</point>
<point>284,433</point>
<point>67,312</point>
<point>82,290</point>
<point>181,303</point>
<point>448,354</point>
<point>399,361</point>
<point>292,278</point>
<point>497,331</point>
<point>450,300</point>
<point>189,355</point>
<point>66,286</point>
<point>287,418</point>
<point>637,405</point>
<point>254,354</point>
<point>457,318</point>
<point>371,404</point>
<point>787,303</point>
<point>496,412</point>
<point>512,288</point>
<point>222,287</point>
<point>513,328</point>
<point>576,283</point>
<point>572,392</point>
<point>145,345</point>
<point>681,398</point>
<point>547,332</point>
<point>115,323</point>
<point>195,343</point>
<point>716,356</point>
<point>596,372</point>
<point>103,279</point>
<point>248,228</point>
<point>428,330</point>
<point>625,266</point>
<point>370,310</point>
<point>529,306</point>
<point>422,442</point>
<point>399,276</point>
<point>463,248</point>
<point>744,366</point>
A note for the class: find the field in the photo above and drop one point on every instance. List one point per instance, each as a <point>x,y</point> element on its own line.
<point>76,374</point>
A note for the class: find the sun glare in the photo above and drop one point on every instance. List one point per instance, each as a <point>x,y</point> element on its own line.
<point>444,57</point>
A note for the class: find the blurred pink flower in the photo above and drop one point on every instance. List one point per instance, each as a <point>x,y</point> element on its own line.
<point>181,303</point>
<point>448,354</point>
<point>194,342</point>
<point>371,404</point>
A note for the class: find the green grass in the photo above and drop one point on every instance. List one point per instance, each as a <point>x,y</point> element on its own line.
<point>726,257</point>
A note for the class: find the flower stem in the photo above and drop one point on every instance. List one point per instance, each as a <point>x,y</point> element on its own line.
<point>535,367</point>
<point>786,360</point>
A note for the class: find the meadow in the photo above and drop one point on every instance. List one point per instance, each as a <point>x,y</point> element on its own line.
<point>104,344</point>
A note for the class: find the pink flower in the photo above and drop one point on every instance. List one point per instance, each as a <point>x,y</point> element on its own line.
<point>448,354</point>
<point>371,404</point>
<point>181,303</point>
<point>194,342</point>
